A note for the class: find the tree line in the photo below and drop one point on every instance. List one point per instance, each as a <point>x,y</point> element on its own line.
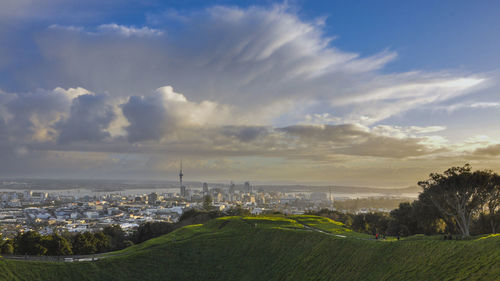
<point>111,238</point>
<point>457,201</point>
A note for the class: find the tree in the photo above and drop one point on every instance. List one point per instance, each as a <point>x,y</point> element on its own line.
<point>493,201</point>
<point>84,244</point>
<point>458,193</point>
<point>404,220</point>
<point>102,242</point>
<point>116,235</point>
<point>346,219</point>
<point>151,230</point>
<point>7,248</point>
<point>371,223</point>
<point>29,243</point>
<point>57,245</point>
<point>207,202</point>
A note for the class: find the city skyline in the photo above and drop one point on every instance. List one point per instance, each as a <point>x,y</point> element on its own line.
<point>271,92</point>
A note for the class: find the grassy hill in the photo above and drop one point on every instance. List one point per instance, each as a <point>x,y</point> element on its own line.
<point>277,248</point>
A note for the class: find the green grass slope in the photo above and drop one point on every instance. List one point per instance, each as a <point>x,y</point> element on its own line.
<point>277,248</point>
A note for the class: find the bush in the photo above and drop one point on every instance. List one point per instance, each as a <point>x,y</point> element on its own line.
<point>7,248</point>
<point>29,243</point>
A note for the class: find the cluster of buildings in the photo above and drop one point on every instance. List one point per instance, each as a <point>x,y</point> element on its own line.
<point>19,211</point>
<point>49,212</point>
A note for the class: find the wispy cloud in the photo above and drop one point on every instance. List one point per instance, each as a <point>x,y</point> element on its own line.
<point>470,105</point>
<point>128,30</point>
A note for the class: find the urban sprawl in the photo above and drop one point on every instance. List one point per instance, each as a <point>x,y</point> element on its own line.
<point>59,211</point>
<point>49,212</point>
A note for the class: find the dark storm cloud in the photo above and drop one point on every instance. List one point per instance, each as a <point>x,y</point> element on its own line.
<point>34,114</point>
<point>148,118</point>
<point>89,117</point>
<point>245,133</point>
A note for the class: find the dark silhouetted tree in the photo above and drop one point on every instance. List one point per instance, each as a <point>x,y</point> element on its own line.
<point>84,244</point>
<point>29,243</point>
<point>102,242</point>
<point>493,201</point>
<point>458,193</point>
<point>117,237</point>
<point>7,247</point>
<point>56,245</point>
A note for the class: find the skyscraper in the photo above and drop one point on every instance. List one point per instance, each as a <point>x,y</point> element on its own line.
<point>182,187</point>
<point>205,189</point>
<point>248,187</point>
<point>152,198</point>
<point>231,192</point>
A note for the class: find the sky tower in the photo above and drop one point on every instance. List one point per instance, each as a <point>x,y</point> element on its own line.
<point>183,189</point>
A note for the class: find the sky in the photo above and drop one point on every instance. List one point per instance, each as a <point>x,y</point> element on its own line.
<point>361,93</point>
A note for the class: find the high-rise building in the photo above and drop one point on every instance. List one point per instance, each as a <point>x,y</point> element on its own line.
<point>182,187</point>
<point>205,189</point>
<point>247,188</point>
<point>331,200</point>
<point>231,191</point>
<point>218,197</point>
<point>152,198</point>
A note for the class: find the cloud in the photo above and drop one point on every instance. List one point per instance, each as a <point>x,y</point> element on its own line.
<point>163,113</point>
<point>491,150</point>
<point>88,120</point>
<point>351,139</point>
<point>245,133</point>
<point>470,105</point>
<point>485,105</point>
<point>128,31</point>
<point>260,85</point>
<point>70,28</point>
<point>343,133</point>
<point>404,132</point>
<point>3,131</point>
<point>402,93</point>
<point>148,118</point>
<point>251,58</point>
<point>321,118</point>
<point>33,115</point>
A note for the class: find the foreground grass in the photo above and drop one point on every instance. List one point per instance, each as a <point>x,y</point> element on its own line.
<point>277,248</point>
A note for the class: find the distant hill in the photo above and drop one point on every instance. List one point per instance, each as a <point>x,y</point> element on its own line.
<point>277,248</point>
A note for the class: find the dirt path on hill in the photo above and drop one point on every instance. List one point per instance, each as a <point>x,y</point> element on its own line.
<point>329,233</point>
<point>322,231</point>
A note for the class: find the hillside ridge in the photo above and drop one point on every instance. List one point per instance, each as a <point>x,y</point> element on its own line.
<point>277,248</point>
